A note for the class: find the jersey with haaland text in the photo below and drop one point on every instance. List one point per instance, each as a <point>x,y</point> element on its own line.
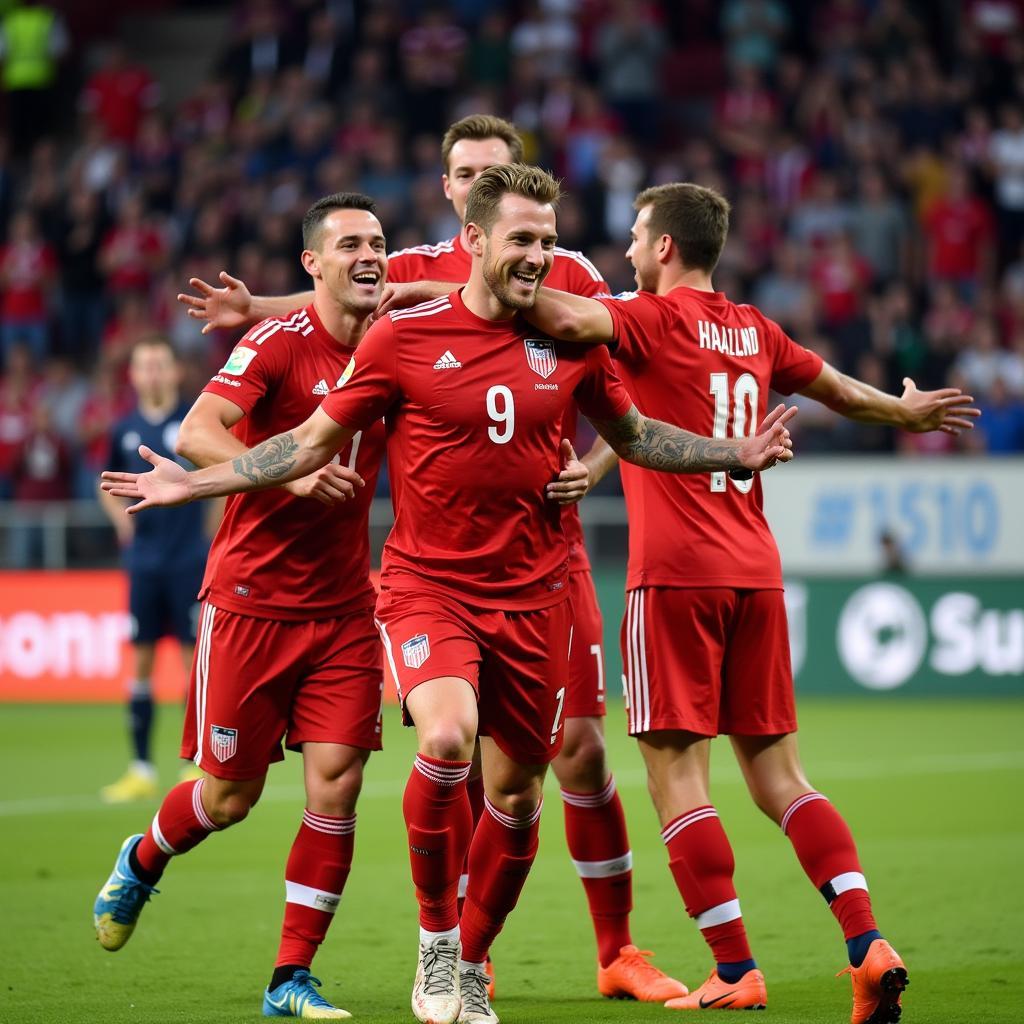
<point>276,555</point>
<point>474,411</point>
<point>697,360</point>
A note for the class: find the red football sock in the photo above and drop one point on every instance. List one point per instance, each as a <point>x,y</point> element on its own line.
<point>828,855</point>
<point>499,860</point>
<point>702,864</point>
<point>315,877</point>
<point>595,828</point>
<point>440,826</point>
<point>179,825</point>
<point>475,789</point>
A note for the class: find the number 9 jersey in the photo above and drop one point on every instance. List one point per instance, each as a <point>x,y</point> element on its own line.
<point>697,360</point>
<point>474,411</point>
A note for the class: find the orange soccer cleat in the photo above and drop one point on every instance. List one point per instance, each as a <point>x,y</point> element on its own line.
<point>877,985</point>
<point>631,976</point>
<point>749,993</point>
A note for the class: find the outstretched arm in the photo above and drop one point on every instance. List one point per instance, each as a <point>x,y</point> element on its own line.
<point>657,445</point>
<point>277,460</point>
<point>571,317</point>
<point>947,409</point>
<point>233,305</point>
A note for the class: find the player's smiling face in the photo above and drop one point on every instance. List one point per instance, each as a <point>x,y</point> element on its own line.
<point>468,159</point>
<point>350,259</point>
<point>641,252</point>
<point>519,250</point>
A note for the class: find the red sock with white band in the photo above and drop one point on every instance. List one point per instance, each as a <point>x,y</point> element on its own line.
<point>180,825</point>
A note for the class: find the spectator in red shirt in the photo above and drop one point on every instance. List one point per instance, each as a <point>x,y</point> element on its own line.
<point>959,232</point>
<point>119,94</point>
<point>133,250</point>
<point>840,276</point>
<point>27,265</point>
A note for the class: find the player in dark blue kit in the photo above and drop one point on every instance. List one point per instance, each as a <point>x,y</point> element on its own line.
<point>165,555</point>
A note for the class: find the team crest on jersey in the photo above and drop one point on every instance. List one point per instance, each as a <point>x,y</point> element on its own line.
<point>223,742</point>
<point>416,650</point>
<point>347,372</point>
<point>540,354</point>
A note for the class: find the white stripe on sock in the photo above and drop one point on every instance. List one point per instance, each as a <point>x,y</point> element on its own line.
<point>848,880</point>
<point>796,805</point>
<point>721,914</point>
<point>605,868</point>
<point>158,837</point>
<point>307,896</point>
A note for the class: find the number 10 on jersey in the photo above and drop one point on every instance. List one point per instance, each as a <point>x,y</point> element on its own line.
<point>741,399</point>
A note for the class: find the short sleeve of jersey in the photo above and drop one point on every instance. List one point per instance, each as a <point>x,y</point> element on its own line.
<point>640,324</point>
<point>600,394</point>
<point>369,385</point>
<point>793,366</point>
<point>581,276</point>
<point>253,369</point>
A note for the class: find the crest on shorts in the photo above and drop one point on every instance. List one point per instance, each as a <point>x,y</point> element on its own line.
<point>223,742</point>
<point>416,650</point>
<point>540,354</point>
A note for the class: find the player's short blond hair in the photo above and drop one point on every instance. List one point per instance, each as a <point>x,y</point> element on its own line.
<point>694,216</point>
<point>508,179</point>
<point>480,127</point>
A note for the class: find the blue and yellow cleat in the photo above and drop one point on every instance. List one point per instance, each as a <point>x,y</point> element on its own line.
<point>120,901</point>
<point>299,998</point>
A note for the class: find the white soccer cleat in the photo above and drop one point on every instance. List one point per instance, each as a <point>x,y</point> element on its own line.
<point>476,1006</point>
<point>436,997</point>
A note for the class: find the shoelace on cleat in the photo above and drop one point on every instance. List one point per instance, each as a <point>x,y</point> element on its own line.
<point>638,962</point>
<point>129,900</point>
<point>474,992</point>
<point>305,981</point>
<point>439,967</point>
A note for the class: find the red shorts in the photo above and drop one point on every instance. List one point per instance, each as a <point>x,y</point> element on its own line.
<point>517,662</point>
<point>584,697</point>
<point>256,682</point>
<point>708,661</point>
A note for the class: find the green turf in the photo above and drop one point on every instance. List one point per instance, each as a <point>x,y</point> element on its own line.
<point>932,791</point>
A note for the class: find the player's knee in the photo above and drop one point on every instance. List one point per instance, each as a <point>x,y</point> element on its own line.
<point>448,741</point>
<point>521,805</point>
<point>582,765</point>
<point>337,792</point>
<point>230,808</point>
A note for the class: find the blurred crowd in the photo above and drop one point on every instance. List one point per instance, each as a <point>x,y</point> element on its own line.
<point>873,153</point>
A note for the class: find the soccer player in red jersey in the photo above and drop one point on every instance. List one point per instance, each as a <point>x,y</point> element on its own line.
<point>595,824</point>
<point>287,645</point>
<point>473,611</point>
<point>705,639</point>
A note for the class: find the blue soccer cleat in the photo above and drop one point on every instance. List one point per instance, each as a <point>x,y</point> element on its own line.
<point>120,901</point>
<point>299,998</point>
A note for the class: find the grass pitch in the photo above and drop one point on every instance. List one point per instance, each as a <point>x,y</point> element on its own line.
<point>931,789</point>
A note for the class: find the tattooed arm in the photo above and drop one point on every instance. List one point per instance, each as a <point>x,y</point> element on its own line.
<point>657,445</point>
<point>284,457</point>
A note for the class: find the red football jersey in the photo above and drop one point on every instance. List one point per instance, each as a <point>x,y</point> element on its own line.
<point>474,412</point>
<point>695,359</point>
<point>570,272</point>
<point>275,555</point>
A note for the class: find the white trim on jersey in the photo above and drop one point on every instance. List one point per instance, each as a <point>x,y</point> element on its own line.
<point>202,673</point>
<point>386,643</point>
<point>424,309</point>
<point>297,323</point>
<point>433,251</point>
<point>578,257</point>
<point>636,664</point>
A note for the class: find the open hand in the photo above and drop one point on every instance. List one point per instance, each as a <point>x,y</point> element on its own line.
<point>165,485</point>
<point>573,481</point>
<point>947,409</point>
<point>330,485</point>
<point>222,308</point>
<point>771,443</point>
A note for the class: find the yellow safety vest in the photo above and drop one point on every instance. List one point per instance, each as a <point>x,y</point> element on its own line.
<point>27,62</point>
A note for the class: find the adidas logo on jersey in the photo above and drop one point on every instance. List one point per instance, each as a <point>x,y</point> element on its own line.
<point>447,362</point>
<point>321,387</point>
